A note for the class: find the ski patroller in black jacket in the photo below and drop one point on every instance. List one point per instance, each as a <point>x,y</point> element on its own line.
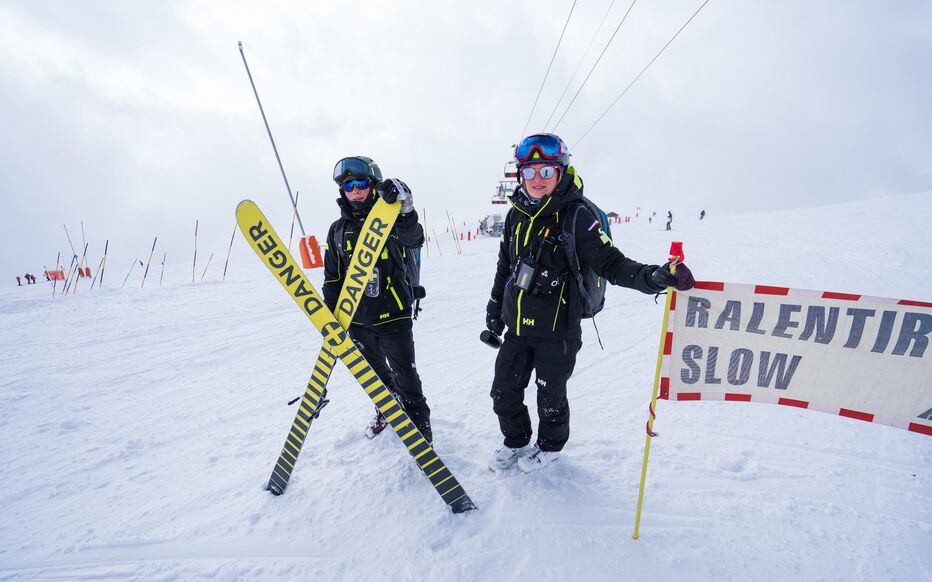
<point>527,229</point>
<point>388,296</point>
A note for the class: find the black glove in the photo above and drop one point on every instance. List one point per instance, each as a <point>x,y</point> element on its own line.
<point>393,190</point>
<point>493,317</point>
<point>682,280</point>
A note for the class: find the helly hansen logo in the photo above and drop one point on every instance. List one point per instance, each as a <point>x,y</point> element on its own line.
<point>541,382</point>
<point>527,321</point>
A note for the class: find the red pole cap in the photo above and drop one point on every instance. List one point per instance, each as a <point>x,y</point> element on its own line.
<point>676,252</point>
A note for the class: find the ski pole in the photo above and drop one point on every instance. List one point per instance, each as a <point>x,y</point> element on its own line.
<point>162,276</point>
<point>229,250</point>
<point>294,202</point>
<point>144,275</point>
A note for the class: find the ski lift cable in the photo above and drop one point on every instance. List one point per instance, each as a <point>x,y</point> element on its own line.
<point>578,65</point>
<point>594,65</point>
<point>539,91</point>
<point>604,113</point>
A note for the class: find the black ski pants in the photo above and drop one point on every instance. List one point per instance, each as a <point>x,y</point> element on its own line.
<point>389,349</point>
<point>553,358</point>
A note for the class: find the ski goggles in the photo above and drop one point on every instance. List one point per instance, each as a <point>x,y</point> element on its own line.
<point>546,145</point>
<point>350,167</point>
<point>351,185</point>
<point>546,172</point>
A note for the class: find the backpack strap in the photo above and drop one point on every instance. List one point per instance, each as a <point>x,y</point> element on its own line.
<point>571,254</point>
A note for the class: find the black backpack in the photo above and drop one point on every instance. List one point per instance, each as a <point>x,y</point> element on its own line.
<point>590,284</point>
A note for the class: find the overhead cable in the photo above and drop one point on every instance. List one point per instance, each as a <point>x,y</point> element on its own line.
<point>578,65</point>
<point>573,100</point>
<point>604,113</point>
<point>565,24</point>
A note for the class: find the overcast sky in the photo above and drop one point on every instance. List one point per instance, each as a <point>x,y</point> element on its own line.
<point>137,117</point>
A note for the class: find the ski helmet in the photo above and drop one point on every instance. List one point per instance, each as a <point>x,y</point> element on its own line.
<point>542,147</point>
<point>358,167</point>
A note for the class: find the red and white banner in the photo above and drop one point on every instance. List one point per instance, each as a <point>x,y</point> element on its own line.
<point>862,357</point>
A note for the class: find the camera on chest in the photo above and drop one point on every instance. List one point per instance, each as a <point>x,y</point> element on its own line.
<point>535,270</point>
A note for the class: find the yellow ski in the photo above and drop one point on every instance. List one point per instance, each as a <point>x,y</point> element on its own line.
<point>268,246</point>
<point>377,226</point>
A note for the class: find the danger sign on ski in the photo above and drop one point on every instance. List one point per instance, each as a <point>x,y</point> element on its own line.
<point>862,357</point>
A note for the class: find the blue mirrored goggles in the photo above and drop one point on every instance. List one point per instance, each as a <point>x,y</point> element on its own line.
<point>351,185</point>
<point>546,145</point>
<point>350,167</point>
<point>546,172</point>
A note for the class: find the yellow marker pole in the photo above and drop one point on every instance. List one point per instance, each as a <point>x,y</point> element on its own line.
<point>653,398</point>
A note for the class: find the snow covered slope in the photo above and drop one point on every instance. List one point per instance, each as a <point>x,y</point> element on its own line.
<point>138,428</point>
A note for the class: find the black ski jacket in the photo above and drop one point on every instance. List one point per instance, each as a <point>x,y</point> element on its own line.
<point>388,296</point>
<point>534,234</point>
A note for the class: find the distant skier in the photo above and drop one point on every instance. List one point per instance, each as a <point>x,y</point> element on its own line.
<point>18,281</point>
<point>537,297</point>
<point>669,219</point>
<point>382,327</point>
<point>702,215</point>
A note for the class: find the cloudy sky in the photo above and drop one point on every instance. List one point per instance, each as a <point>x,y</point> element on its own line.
<point>137,117</point>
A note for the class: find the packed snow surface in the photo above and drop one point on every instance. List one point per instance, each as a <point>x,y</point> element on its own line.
<point>139,426</point>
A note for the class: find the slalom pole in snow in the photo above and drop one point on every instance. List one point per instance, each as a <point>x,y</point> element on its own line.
<point>103,266</point>
<point>437,240</point>
<point>676,256</point>
<point>131,267</point>
<point>148,262</point>
<point>294,202</point>
<point>194,266</point>
<point>162,276</point>
<point>55,281</point>
<point>73,286</point>
<point>294,213</point>
<point>64,283</point>
<point>94,280</point>
<point>229,250</point>
<point>456,241</point>
<point>73,252</point>
<point>426,233</point>
<point>208,265</point>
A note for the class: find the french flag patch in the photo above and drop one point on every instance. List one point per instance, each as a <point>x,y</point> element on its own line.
<point>595,224</point>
